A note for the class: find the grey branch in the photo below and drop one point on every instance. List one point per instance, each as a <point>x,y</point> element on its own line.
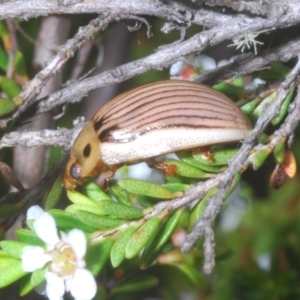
<point>62,137</point>
<point>239,26</point>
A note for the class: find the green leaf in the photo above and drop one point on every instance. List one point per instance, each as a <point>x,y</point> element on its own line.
<point>3,59</point>
<point>31,281</point>
<point>54,194</point>
<point>28,237</point>
<point>13,248</point>
<point>9,87</point>
<point>260,157</point>
<point>78,198</point>
<point>279,152</point>
<point>97,255</point>
<point>20,63</point>
<point>186,170</point>
<point>73,208</point>
<point>120,210</point>
<point>97,221</point>
<point>230,90</point>
<point>94,192</point>
<point>6,106</point>
<point>260,108</point>
<point>277,70</point>
<point>141,237</point>
<point>284,108</point>
<point>193,274</point>
<point>141,187</point>
<point>117,254</point>
<point>68,221</point>
<point>219,156</point>
<point>198,209</point>
<point>136,284</point>
<point>10,270</point>
<point>177,187</point>
<point>158,241</point>
<point>120,194</point>
<point>187,158</point>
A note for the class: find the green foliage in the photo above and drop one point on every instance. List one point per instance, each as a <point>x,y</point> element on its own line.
<point>10,269</point>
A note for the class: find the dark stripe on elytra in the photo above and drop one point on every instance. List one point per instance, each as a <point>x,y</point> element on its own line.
<point>147,113</point>
<point>139,120</point>
<point>119,100</point>
<point>161,95</point>
<point>163,102</point>
<point>148,106</point>
<point>163,117</point>
<point>103,135</point>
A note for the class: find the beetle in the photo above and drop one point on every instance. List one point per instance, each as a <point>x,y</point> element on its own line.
<point>150,120</point>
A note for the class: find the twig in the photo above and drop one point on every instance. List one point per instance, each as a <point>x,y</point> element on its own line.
<point>60,138</point>
<point>33,87</point>
<point>237,164</point>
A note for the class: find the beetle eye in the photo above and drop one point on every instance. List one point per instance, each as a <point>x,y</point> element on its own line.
<point>75,169</point>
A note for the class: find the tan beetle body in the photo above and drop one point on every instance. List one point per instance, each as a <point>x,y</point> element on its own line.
<point>154,119</point>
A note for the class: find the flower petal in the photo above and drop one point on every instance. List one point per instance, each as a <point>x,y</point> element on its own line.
<point>34,212</point>
<point>83,286</point>
<point>77,241</point>
<point>45,228</point>
<point>33,258</point>
<point>55,288</point>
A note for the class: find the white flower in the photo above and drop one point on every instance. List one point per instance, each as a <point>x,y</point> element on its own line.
<point>66,272</point>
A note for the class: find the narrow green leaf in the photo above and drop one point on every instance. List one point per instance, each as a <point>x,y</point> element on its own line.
<point>219,156</point>
<point>284,108</point>
<point>6,106</point>
<point>187,158</point>
<point>260,108</point>
<point>97,255</point>
<point>230,90</point>
<point>73,208</point>
<point>120,210</point>
<point>158,241</point>
<point>275,71</point>
<point>97,221</point>
<point>68,221</point>
<point>9,87</point>
<point>249,107</point>
<point>279,152</point>
<point>186,170</point>
<point>193,274</point>
<point>136,284</point>
<point>147,201</point>
<point>198,209</point>
<point>260,157</point>
<point>31,281</point>
<point>120,194</point>
<point>94,192</point>
<point>13,248</point>
<point>141,187</point>
<point>177,187</point>
<point>141,237</point>
<point>10,270</point>
<point>3,59</point>
<point>54,194</point>
<point>117,254</point>
<point>25,286</point>
<point>78,198</point>
<point>20,63</point>
<point>28,237</point>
